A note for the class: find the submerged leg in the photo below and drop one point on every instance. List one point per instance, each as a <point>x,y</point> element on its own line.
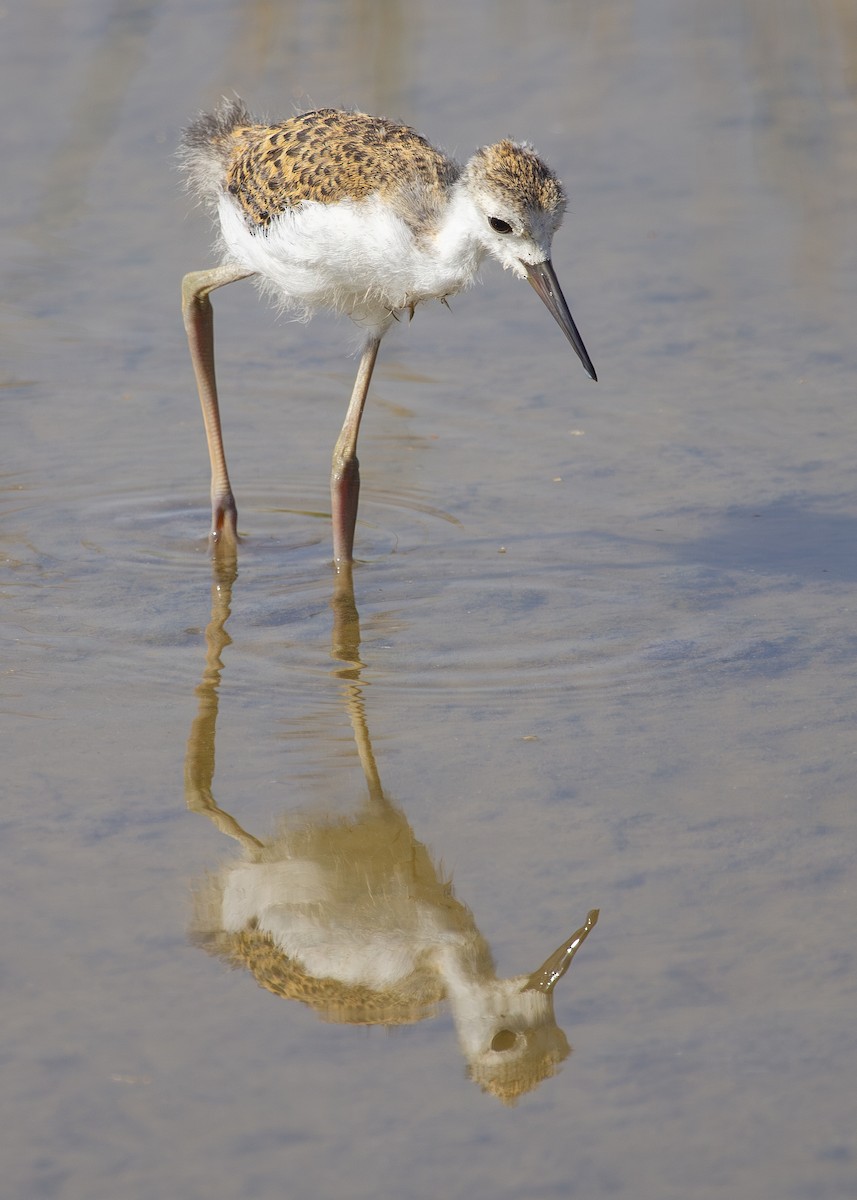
<point>345,471</point>
<point>199,325</point>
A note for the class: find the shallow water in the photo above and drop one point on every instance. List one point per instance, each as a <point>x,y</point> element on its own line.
<point>606,646</point>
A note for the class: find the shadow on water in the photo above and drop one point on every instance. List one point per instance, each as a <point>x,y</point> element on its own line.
<point>790,535</point>
<point>351,916</point>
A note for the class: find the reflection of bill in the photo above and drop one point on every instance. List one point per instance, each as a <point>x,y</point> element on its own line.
<point>351,916</point>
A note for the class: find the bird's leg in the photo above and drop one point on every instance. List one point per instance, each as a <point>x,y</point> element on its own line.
<point>199,325</point>
<point>345,471</point>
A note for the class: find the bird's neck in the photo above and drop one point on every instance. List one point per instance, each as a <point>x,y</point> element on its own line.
<point>459,244</point>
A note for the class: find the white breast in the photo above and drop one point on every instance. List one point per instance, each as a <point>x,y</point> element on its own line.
<point>324,920</point>
<point>355,257</point>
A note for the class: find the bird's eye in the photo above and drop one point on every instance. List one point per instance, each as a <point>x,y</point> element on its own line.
<point>504,1040</point>
<point>499,226</point>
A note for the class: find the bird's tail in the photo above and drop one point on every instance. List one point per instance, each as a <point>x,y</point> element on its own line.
<point>208,146</point>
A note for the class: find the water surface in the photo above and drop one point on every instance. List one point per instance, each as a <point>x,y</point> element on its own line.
<point>606,649</point>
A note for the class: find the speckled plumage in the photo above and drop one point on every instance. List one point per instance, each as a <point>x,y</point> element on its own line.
<point>414,999</point>
<point>514,171</point>
<point>330,155</point>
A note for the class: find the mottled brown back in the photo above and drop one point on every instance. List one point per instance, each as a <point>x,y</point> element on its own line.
<point>327,156</point>
<point>417,997</point>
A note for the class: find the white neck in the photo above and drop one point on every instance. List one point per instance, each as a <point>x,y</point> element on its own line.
<point>480,1002</point>
<point>459,243</point>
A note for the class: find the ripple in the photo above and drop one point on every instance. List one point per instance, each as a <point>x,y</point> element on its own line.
<point>288,523</point>
<point>461,620</point>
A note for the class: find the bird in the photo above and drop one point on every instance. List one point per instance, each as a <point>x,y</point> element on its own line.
<point>339,210</point>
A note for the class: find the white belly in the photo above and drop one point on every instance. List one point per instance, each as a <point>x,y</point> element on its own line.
<point>357,258</point>
<point>334,929</point>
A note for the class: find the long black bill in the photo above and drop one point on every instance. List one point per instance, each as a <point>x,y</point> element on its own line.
<point>545,282</point>
<point>552,970</point>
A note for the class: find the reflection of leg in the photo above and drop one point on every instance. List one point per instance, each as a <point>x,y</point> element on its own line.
<point>345,648</point>
<point>199,766</point>
<point>199,325</point>
<point>197,802</point>
<point>345,644</point>
<point>199,757</point>
<point>345,470</point>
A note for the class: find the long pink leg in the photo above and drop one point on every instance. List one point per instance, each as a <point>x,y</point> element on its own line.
<point>345,470</point>
<point>199,325</point>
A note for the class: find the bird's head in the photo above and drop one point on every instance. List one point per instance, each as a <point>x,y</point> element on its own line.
<point>521,204</point>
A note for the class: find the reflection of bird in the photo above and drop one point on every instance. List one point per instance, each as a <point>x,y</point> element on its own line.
<point>351,916</point>
<point>354,213</point>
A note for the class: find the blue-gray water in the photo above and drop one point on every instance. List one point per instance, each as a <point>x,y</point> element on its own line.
<point>608,631</point>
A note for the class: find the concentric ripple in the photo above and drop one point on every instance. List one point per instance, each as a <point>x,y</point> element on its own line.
<point>129,577</point>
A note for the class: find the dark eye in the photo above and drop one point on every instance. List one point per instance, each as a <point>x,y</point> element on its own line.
<point>504,1040</point>
<point>499,226</point>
